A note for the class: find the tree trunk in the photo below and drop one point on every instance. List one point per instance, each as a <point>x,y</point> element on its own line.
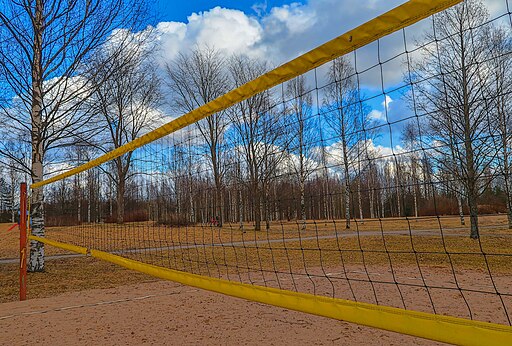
<point>398,194</point>
<point>360,199</point>
<point>347,203</point>
<point>382,204</point>
<point>371,189</point>
<point>190,196</point>
<point>267,210</point>
<point>302,203</point>
<point>240,209</point>
<point>509,210</point>
<point>347,185</point>
<point>110,199</point>
<point>120,200</point>
<point>415,197</point>
<point>89,210</point>
<point>472,187</point>
<point>473,216</point>
<point>220,207</point>
<point>36,260</point>
<point>13,203</point>
<point>509,200</point>
<point>507,178</point>
<point>461,209</point>
<point>326,198</point>
<point>78,200</point>
<point>257,209</point>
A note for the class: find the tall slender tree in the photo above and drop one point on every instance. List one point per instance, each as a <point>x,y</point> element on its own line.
<point>346,120</point>
<point>124,103</point>
<point>257,134</point>
<point>302,130</point>
<point>452,92</point>
<point>500,65</point>
<point>44,45</point>
<point>196,78</point>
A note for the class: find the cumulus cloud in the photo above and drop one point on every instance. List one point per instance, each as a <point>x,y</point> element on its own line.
<point>277,34</point>
<point>292,19</point>
<point>281,33</point>
<point>381,115</point>
<point>230,31</point>
<point>377,115</point>
<point>387,102</point>
<point>225,29</point>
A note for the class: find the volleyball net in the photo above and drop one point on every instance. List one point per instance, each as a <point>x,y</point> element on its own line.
<point>367,180</point>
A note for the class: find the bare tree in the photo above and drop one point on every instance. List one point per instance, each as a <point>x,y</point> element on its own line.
<point>346,119</point>
<point>196,78</point>
<point>43,47</point>
<point>452,91</point>
<point>124,104</point>
<point>410,138</point>
<point>256,133</point>
<point>302,131</point>
<point>500,65</point>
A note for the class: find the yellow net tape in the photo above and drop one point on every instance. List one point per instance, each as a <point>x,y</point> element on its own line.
<point>434,327</point>
<point>385,24</point>
<point>74,248</point>
<point>425,325</point>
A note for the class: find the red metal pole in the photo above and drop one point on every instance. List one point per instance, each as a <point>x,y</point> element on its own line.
<point>23,241</point>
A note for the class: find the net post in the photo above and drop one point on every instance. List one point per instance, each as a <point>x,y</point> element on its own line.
<point>23,241</point>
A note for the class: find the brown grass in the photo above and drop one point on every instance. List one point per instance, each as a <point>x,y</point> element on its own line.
<point>67,275</point>
<point>434,249</point>
<point>150,234</point>
<point>372,251</point>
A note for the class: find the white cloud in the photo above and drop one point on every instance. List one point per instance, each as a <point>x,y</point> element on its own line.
<point>387,102</point>
<point>381,115</point>
<point>230,31</point>
<point>294,18</point>
<point>225,29</point>
<point>281,33</point>
<point>384,152</point>
<point>277,34</point>
<point>377,115</point>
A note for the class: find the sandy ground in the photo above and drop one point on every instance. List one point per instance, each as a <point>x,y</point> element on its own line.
<point>167,313</point>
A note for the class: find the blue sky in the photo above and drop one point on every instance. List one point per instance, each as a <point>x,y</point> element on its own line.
<point>179,10</point>
<point>279,30</point>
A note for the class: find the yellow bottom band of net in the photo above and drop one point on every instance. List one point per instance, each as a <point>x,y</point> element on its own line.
<point>430,326</point>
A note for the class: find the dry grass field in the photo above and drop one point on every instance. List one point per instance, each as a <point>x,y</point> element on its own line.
<point>391,252</point>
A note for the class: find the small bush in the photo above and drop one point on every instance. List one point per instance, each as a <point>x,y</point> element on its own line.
<point>491,209</point>
<point>139,215</point>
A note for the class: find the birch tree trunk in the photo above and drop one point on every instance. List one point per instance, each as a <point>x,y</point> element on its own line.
<point>415,197</point>
<point>347,181</point>
<point>461,209</point>
<point>359,198</point>
<point>302,204</point>
<point>120,200</point>
<point>36,260</point>
<point>372,195</point>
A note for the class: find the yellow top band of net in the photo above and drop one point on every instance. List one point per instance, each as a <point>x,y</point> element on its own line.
<point>385,24</point>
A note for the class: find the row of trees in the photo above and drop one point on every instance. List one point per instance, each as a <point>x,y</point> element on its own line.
<point>10,179</point>
<point>298,153</point>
